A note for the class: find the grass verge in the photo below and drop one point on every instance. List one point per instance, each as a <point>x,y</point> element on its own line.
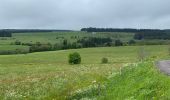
<point>135,82</point>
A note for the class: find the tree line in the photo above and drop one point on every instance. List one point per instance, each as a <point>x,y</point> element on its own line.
<point>85,42</point>
<point>92,29</point>
<point>4,33</point>
<point>32,30</point>
<point>159,34</point>
<point>139,33</point>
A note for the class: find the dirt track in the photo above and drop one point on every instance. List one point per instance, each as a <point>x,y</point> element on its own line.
<point>164,66</point>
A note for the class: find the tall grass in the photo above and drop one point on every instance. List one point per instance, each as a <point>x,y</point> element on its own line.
<point>47,75</point>
<point>136,82</point>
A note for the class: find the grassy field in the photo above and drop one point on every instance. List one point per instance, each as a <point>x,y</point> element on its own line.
<point>57,37</point>
<point>47,75</point>
<point>18,43</point>
<point>140,81</point>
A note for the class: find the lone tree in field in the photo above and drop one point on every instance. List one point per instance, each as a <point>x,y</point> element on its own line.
<point>104,60</point>
<point>74,58</point>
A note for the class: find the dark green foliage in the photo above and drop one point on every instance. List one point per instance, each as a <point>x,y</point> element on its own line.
<point>104,60</point>
<point>57,46</point>
<point>32,30</point>
<point>4,33</point>
<point>76,45</point>
<point>118,43</point>
<point>17,42</point>
<point>138,36</point>
<point>130,30</point>
<point>81,43</point>
<point>27,44</point>
<point>40,47</point>
<point>95,42</point>
<point>66,45</point>
<point>65,42</point>
<point>131,42</point>
<point>16,51</point>
<point>74,58</point>
<point>157,34</point>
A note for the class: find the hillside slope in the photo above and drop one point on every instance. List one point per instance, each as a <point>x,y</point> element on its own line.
<point>136,82</point>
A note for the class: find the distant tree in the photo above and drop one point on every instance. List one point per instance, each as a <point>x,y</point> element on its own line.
<point>93,29</point>
<point>38,44</point>
<point>138,36</point>
<point>152,34</point>
<point>74,58</point>
<point>95,42</point>
<point>131,42</point>
<point>17,42</point>
<point>41,47</point>
<point>118,43</point>
<point>104,60</point>
<point>57,46</point>
<point>4,33</point>
<point>65,44</point>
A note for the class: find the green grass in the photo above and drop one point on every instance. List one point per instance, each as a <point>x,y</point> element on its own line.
<point>135,82</point>
<point>47,75</point>
<point>57,37</point>
<point>53,38</point>
<point>139,82</point>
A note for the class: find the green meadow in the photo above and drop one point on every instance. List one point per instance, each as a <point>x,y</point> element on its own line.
<point>47,75</point>
<point>57,37</point>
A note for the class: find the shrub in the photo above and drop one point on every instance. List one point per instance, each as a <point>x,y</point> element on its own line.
<point>38,47</point>
<point>28,44</point>
<point>131,42</point>
<point>16,51</point>
<point>57,46</point>
<point>118,43</point>
<point>104,60</point>
<point>17,42</point>
<point>74,58</point>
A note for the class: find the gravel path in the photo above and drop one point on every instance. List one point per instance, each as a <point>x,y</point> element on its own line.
<point>164,66</point>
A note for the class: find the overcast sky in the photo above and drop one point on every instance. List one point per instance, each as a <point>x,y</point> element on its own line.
<point>75,14</point>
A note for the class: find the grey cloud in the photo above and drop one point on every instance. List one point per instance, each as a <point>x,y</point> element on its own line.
<point>75,14</point>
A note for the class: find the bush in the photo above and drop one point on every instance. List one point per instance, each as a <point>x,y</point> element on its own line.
<point>104,60</point>
<point>74,58</point>
<point>118,43</point>
<point>131,42</point>
<point>38,47</point>
<point>17,42</point>
<point>16,51</point>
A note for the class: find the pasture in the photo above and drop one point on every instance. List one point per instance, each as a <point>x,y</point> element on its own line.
<point>57,37</point>
<point>47,75</point>
<point>21,43</point>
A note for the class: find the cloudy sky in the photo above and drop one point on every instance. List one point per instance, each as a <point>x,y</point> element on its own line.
<point>75,14</point>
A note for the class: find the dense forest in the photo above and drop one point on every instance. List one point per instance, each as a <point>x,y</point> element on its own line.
<point>159,34</point>
<point>139,33</point>
<point>33,30</point>
<point>4,33</point>
<point>118,30</point>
